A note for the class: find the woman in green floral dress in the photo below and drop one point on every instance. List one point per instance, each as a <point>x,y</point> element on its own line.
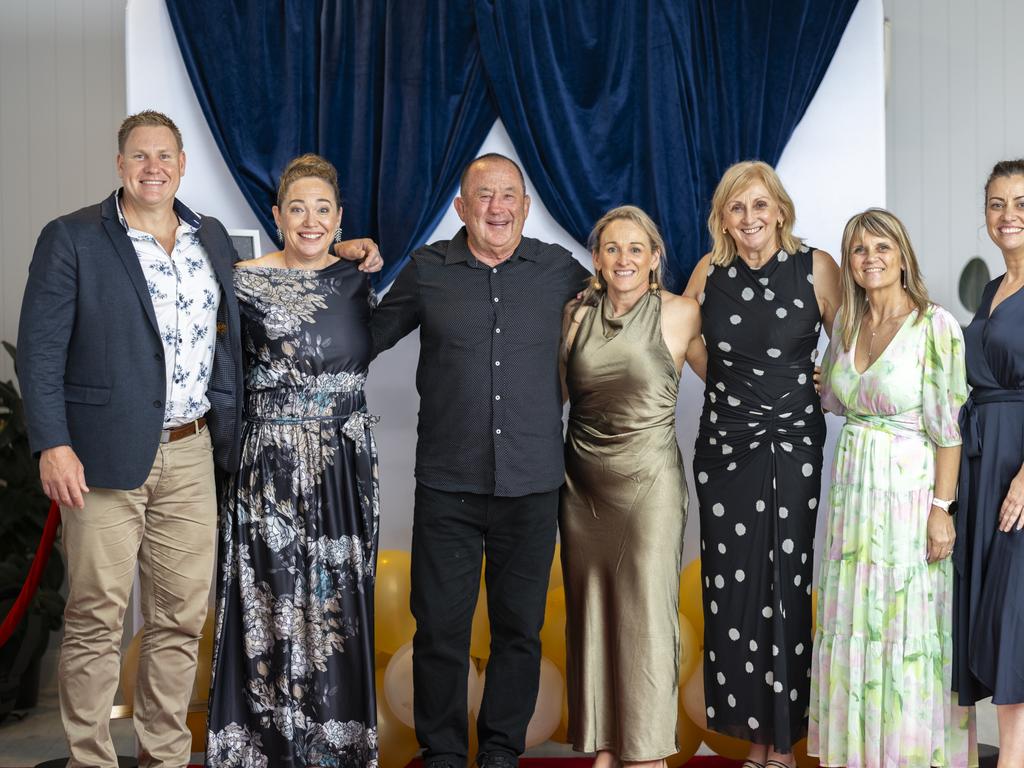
<point>881,670</point>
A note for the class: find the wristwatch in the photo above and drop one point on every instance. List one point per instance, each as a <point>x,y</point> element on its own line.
<point>946,505</point>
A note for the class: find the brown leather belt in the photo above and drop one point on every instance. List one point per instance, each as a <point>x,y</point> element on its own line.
<point>185,430</point>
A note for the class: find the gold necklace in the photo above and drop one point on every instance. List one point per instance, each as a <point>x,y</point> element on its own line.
<point>881,324</point>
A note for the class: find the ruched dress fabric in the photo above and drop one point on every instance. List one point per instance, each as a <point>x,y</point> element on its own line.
<point>880,688</point>
<point>623,511</point>
<point>293,667</point>
<point>989,593</point>
<point>757,467</point>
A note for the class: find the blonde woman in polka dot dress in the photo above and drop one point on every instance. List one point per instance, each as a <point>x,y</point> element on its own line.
<point>764,297</point>
<point>883,649</point>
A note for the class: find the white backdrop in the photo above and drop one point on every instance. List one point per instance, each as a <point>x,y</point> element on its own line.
<point>833,167</point>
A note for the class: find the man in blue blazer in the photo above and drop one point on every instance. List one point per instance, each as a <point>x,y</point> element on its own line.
<point>129,360</point>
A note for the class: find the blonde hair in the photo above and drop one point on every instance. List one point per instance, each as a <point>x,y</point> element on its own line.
<point>637,216</point>
<point>880,223</point>
<point>305,167</point>
<point>736,179</point>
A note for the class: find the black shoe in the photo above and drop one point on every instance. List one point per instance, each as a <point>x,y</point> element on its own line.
<point>497,759</point>
<point>438,762</point>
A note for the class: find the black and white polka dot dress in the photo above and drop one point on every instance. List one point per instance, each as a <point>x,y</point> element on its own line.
<point>757,467</point>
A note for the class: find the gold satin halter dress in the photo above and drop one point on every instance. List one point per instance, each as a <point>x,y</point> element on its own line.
<point>623,511</point>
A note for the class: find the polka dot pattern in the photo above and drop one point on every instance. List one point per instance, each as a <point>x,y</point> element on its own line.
<point>759,495</point>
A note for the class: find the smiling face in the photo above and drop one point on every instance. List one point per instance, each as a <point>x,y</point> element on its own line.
<point>875,262</point>
<point>1004,213</point>
<point>493,206</point>
<point>625,258</point>
<point>308,218</point>
<point>752,218</point>
<point>150,167</point>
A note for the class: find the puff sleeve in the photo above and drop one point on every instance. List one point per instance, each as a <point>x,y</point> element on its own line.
<point>944,383</point>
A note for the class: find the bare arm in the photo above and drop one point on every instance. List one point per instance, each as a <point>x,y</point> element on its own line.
<point>571,317</point>
<point>363,250</point>
<point>680,326</point>
<point>826,288</point>
<point>941,532</point>
<point>699,276</point>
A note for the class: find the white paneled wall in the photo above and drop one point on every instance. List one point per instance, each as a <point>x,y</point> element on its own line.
<point>62,96</point>
<point>953,110</point>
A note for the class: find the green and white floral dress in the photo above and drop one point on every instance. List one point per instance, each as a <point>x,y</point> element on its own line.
<point>881,671</point>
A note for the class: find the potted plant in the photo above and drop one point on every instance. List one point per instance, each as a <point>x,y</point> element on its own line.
<point>23,511</point>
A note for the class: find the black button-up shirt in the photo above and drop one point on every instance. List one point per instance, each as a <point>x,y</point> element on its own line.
<point>490,417</point>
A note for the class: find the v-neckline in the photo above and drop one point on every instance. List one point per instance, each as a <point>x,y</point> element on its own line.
<point>853,346</point>
<point>991,309</point>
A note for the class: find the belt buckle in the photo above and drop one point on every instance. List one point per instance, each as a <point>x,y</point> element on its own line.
<point>165,436</point>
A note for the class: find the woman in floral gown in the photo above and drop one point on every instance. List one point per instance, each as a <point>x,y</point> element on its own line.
<point>881,669</point>
<point>293,675</point>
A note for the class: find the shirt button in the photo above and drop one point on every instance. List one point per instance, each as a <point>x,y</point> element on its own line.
<point>494,269</point>
<point>495,299</point>
<point>497,397</point>
<point>497,330</point>
<point>158,356</point>
<point>497,431</point>
<point>158,404</point>
<point>497,362</point>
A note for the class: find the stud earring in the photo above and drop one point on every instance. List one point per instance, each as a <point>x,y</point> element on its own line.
<point>595,283</point>
<point>337,235</point>
<point>778,224</point>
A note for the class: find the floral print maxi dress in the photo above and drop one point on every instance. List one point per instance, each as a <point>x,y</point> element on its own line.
<point>882,664</point>
<point>293,670</point>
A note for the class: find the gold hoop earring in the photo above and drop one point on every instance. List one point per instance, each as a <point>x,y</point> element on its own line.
<point>595,283</point>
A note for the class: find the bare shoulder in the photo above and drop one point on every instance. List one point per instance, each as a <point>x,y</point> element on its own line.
<point>266,260</point>
<point>823,262</point>
<point>698,277</point>
<point>682,307</point>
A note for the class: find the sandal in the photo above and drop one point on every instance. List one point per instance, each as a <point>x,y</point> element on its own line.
<point>777,764</point>
<point>751,764</point>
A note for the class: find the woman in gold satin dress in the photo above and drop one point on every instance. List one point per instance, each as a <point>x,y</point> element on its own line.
<point>623,506</point>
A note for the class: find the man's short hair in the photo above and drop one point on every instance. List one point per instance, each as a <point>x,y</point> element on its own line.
<point>490,156</point>
<point>146,118</point>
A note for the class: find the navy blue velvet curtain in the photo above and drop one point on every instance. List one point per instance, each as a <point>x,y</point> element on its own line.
<point>393,93</point>
<point>606,102</point>
<point>649,101</point>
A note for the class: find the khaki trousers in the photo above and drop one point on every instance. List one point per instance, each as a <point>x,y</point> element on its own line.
<point>167,526</point>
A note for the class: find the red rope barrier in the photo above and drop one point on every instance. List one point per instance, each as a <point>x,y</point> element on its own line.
<point>35,573</point>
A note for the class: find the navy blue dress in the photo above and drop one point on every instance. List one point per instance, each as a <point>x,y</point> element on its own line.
<point>988,644</point>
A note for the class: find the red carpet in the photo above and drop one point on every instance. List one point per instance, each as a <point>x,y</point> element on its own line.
<point>700,761</point>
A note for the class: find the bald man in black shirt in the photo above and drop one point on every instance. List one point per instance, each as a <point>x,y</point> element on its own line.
<point>488,304</point>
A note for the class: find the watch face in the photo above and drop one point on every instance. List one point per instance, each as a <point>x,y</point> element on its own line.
<point>953,507</point>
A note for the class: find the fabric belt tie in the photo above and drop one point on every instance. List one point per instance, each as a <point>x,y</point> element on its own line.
<point>970,434</point>
<point>185,430</point>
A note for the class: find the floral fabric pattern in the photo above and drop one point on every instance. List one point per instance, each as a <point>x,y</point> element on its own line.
<point>293,681</point>
<point>882,663</point>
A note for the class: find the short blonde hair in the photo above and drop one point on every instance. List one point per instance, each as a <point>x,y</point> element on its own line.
<point>639,217</point>
<point>736,179</point>
<point>880,223</point>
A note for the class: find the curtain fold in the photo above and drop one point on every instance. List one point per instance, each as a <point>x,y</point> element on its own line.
<point>606,102</point>
<point>648,102</point>
<point>391,92</point>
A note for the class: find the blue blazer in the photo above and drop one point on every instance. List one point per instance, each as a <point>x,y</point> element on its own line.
<point>90,359</point>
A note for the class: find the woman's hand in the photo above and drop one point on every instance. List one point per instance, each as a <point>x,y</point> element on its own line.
<point>816,377</point>
<point>941,535</point>
<point>1012,511</point>
<point>363,250</point>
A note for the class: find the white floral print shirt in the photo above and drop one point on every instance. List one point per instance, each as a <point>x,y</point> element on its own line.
<point>185,294</point>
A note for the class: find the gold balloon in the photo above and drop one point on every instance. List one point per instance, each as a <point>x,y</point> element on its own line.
<point>690,738</point>
<point>689,650</point>
<point>690,601</point>
<point>393,622</point>
<point>556,580</point>
<point>803,760</point>
<point>396,741</point>
<point>552,634</point>
<point>480,641</point>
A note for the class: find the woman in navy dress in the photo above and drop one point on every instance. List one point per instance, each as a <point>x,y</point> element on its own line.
<point>989,552</point>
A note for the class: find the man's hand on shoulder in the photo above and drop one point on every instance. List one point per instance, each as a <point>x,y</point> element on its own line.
<point>363,250</point>
<point>63,476</point>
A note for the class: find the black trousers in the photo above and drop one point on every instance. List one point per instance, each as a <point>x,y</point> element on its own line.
<point>451,531</point>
